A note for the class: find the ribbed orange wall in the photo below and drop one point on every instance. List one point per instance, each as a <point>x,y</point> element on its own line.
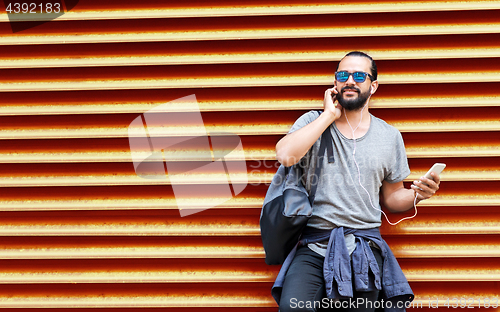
<point>78,227</point>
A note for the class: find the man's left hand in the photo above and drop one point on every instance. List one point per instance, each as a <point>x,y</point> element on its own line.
<point>426,188</point>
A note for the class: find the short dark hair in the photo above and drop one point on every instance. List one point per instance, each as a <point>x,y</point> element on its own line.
<point>373,67</point>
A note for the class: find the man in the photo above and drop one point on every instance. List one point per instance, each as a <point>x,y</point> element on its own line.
<point>369,160</point>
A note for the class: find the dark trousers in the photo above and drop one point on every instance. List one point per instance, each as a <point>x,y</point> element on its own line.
<point>304,287</point>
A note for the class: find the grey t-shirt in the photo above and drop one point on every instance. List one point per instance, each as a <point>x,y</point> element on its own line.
<point>340,199</point>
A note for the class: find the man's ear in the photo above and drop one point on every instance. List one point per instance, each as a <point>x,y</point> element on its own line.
<point>374,87</point>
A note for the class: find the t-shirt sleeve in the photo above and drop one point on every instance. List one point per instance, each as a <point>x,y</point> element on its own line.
<point>399,169</point>
<point>304,120</point>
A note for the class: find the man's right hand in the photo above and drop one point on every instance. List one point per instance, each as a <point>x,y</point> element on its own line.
<point>292,147</point>
<point>330,103</point>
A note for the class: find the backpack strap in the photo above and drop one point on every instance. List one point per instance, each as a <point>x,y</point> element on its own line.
<point>328,140</point>
<point>329,144</point>
<point>326,143</point>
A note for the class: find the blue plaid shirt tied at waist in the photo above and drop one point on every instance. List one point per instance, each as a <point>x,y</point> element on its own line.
<point>338,273</point>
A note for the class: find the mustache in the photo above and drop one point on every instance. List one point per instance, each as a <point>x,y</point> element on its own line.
<point>350,88</point>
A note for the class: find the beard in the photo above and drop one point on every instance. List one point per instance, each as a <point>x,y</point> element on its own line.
<point>353,104</point>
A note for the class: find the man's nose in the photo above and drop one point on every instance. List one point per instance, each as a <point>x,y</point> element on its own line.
<point>350,81</point>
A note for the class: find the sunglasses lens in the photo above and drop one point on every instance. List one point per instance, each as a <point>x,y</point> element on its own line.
<point>342,76</point>
<point>359,76</point>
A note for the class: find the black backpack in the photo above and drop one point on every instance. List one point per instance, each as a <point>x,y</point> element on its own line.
<point>287,206</point>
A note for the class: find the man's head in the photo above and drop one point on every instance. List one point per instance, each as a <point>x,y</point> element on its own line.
<point>356,80</point>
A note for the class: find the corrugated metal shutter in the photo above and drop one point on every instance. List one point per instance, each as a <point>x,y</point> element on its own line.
<point>81,230</point>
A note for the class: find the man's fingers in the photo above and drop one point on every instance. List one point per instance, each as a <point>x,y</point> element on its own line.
<point>418,191</point>
<point>425,187</point>
<point>430,183</point>
<point>436,178</point>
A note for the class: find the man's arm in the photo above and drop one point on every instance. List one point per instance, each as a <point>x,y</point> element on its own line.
<point>291,148</point>
<point>397,198</point>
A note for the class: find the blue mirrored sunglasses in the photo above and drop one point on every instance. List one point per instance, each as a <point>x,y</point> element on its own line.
<point>343,76</point>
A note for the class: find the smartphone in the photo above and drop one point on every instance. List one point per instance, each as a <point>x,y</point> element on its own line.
<point>437,168</point>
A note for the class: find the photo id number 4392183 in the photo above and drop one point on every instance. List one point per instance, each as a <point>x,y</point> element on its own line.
<point>33,8</point>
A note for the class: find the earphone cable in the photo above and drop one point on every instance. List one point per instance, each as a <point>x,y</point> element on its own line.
<point>359,172</point>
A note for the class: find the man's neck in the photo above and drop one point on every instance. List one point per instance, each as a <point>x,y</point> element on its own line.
<point>358,121</point>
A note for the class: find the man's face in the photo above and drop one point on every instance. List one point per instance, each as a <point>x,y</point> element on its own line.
<point>354,95</point>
